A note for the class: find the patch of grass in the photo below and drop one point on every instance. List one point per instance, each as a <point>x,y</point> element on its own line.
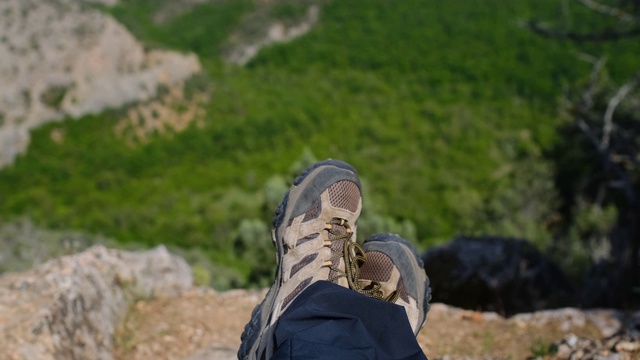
<point>53,96</point>
<point>542,350</point>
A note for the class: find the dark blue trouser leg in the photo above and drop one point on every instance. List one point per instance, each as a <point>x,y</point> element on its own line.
<point>327,321</point>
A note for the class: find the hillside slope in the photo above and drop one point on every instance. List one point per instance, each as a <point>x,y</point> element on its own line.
<point>61,58</point>
<point>447,109</point>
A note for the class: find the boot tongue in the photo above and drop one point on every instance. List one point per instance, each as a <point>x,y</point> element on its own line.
<point>337,246</point>
<point>337,232</point>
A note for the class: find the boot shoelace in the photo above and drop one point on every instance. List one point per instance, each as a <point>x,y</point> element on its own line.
<point>353,256</point>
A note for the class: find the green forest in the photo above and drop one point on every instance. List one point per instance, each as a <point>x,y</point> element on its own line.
<point>452,112</point>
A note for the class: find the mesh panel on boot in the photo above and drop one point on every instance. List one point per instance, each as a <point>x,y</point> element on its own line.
<point>345,195</point>
<point>378,267</point>
<point>336,248</point>
<point>337,232</point>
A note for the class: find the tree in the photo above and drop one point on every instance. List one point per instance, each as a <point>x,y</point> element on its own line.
<point>597,158</point>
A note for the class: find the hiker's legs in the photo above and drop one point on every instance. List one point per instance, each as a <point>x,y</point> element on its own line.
<point>328,321</point>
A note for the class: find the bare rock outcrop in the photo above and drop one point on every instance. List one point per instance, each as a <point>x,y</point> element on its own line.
<point>69,308</point>
<point>259,29</point>
<point>102,2</point>
<point>62,58</point>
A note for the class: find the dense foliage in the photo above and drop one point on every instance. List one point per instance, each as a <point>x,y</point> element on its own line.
<point>445,107</point>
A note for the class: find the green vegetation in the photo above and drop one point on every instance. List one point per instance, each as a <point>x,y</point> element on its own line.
<point>23,245</point>
<point>445,107</point>
<point>53,96</point>
<point>200,29</point>
<point>541,350</point>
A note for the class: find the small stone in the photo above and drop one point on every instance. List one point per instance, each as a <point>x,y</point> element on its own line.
<point>572,340</point>
<point>564,352</point>
<point>627,346</point>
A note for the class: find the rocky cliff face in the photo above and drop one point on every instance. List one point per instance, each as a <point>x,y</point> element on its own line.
<point>63,58</point>
<point>69,308</point>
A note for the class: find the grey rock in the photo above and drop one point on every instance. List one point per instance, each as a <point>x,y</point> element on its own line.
<point>621,346</point>
<point>607,321</point>
<point>102,2</point>
<point>69,308</point>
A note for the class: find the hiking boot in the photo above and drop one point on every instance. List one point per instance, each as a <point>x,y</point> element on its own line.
<point>314,234</point>
<point>393,271</point>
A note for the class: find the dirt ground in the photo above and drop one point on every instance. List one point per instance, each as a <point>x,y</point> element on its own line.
<point>204,324</point>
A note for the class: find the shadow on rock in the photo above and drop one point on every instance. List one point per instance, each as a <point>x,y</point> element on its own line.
<point>507,276</point>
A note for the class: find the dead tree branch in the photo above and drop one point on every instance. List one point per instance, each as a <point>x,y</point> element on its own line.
<point>604,35</point>
<point>611,108</point>
<point>608,10</point>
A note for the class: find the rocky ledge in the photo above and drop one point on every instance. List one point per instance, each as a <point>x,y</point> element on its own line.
<point>111,304</point>
<point>69,308</point>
